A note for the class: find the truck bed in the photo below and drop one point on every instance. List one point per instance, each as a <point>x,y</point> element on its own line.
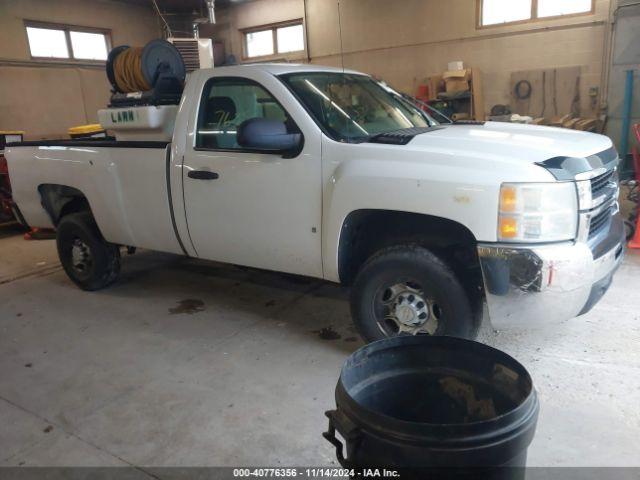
<point>101,142</point>
<point>126,184</point>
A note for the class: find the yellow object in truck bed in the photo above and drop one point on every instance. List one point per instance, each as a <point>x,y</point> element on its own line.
<point>91,130</point>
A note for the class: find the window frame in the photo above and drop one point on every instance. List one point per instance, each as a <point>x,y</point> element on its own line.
<point>206,90</point>
<point>534,18</point>
<point>67,29</point>
<point>273,27</point>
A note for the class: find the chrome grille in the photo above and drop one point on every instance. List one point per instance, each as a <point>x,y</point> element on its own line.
<point>598,197</point>
<point>599,222</point>
<point>598,184</point>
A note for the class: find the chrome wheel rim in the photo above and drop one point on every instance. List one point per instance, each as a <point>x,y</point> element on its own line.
<point>405,309</point>
<point>81,260</point>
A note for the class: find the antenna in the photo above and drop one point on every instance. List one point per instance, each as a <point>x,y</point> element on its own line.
<point>340,32</point>
<point>344,80</point>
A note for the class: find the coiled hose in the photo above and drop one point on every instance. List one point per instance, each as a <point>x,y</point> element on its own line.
<point>127,71</point>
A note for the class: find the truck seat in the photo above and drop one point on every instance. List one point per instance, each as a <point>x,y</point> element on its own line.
<point>219,128</point>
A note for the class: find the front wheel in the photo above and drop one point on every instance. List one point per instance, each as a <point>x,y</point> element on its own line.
<point>88,259</point>
<point>407,290</point>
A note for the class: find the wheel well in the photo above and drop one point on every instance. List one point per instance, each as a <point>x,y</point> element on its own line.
<point>365,232</point>
<point>61,200</point>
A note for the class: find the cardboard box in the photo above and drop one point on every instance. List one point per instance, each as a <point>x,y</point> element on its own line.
<point>454,86</point>
<point>457,80</point>
<point>464,74</point>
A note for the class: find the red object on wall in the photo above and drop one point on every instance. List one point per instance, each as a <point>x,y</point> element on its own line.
<point>6,201</point>
<point>636,153</point>
<point>6,197</point>
<point>423,94</point>
<point>635,241</point>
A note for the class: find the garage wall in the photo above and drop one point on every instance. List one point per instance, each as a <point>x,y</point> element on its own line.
<point>407,40</point>
<point>46,98</point>
<point>625,57</point>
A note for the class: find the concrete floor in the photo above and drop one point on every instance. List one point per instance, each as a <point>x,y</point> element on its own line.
<point>186,363</point>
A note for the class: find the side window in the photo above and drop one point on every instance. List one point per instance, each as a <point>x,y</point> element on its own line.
<point>226,103</point>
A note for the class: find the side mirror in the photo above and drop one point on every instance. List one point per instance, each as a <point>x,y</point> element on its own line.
<point>268,135</point>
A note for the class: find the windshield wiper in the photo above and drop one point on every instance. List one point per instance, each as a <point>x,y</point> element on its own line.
<point>419,103</point>
<point>402,136</point>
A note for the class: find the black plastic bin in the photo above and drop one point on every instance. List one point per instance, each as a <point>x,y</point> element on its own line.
<point>436,406</point>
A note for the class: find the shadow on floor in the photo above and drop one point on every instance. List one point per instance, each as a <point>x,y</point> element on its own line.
<point>11,230</point>
<point>309,308</point>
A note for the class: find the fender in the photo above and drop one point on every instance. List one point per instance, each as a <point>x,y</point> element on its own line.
<point>366,231</point>
<point>382,185</point>
<point>57,200</point>
<point>431,175</point>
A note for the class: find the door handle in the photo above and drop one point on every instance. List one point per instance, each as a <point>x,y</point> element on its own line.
<point>203,175</point>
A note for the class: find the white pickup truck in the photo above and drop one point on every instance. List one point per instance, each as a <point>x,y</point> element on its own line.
<point>327,173</point>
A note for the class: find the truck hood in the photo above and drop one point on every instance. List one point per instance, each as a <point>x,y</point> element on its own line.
<point>517,142</point>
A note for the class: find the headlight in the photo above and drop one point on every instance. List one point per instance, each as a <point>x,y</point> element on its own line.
<point>537,212</point>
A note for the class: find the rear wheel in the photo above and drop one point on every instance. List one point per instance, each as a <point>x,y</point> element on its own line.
<point>88,259</point>
<point>407,290</point>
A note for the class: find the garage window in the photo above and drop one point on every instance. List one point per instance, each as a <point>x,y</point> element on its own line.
<point>53,41</point>
<point>274,39</point>
<point>554,8</point>
<point>501,12</point>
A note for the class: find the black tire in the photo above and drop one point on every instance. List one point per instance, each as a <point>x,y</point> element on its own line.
<point>448,307</point>
<point>99,263</point>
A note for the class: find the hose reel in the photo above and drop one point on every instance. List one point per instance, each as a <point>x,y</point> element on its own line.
<point>149,75</point>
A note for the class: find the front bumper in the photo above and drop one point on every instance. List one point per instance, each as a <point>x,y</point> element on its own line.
<point>527,285</point>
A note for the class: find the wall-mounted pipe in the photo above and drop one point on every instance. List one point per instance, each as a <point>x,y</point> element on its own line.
<point>607,55</point>
<point>306,31</point>
<point>626,115</point>
<point>211,11</point>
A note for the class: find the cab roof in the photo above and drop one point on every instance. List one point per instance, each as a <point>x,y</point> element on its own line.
<point>284,68</point>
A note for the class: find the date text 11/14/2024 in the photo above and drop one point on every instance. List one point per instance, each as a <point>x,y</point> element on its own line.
<point>314,473</point>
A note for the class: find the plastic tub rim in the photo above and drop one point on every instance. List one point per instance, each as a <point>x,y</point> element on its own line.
<point>458,436</point>
<point>528,403</point>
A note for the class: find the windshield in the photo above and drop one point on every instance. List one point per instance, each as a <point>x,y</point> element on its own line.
<point>353,108</point>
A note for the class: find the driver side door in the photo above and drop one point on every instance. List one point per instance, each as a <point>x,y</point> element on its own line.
<point>249,207</point>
